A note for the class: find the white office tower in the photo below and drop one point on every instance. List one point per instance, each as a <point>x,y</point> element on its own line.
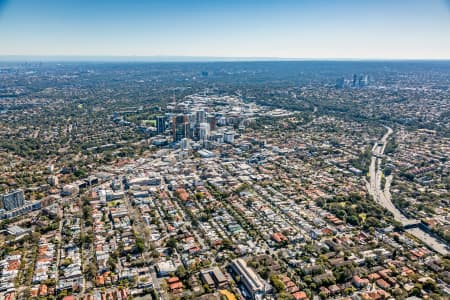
<point>228,137</point>
<point>203,132</point>
<point>184,144</point>
<point>366,80</point>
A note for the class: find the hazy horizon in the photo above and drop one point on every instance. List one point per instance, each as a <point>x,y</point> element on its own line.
<point>181,59</point>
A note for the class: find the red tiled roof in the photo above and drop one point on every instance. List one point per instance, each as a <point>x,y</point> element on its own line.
<point>300,296</point>
<point>173,280</point>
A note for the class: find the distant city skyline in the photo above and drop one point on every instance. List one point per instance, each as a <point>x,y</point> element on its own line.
<point>176,29</point>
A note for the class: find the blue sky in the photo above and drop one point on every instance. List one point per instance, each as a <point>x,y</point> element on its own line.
<point>395,29</point>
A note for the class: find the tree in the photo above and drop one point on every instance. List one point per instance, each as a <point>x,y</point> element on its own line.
<point>140,245</point>
<point>26,293</point>
<point>35,236</point>
<point>66,262</point>
<point>194,222</point>
<point>307,279</point>
<point>277,284</point>
<point>226,244</point>
<point>207,288</point>
<point>171,243</point>
<point>417,290</point>
<point>154,294</point>
<point>349,291</point>
<point>92,270</point>
<point>181,271</point>
<point>285,296</point>
<point>430,285</point>
<point>62,294</point>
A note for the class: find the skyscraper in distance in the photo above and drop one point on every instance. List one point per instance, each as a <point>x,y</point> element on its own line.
<point>203,131</point>
<point>180,127</point>
<point>200,117</point>
<point>340,82</point>
<point>161,124</point>
<point>355,80</point>
<point>212,122</point>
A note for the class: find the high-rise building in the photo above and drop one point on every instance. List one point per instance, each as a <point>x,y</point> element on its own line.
<point>364,80</point>
<point>200,116</point>
<point>192,118</point>
<point>340,82</point>
<point>161,124</point>
<point>203,131</point>
<point>202,125</point>
<point>180,127</point>
<point>355,80</point>
<point>13,200</point>
<point>361,81</point>
<point>212,122</point>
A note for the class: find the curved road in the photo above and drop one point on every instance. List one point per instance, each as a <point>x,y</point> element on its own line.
<point>383,197</point>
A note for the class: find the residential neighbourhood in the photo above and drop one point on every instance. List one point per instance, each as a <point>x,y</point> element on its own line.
<point>219,208</point>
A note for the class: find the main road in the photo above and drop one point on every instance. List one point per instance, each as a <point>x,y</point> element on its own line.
<point>383,196</point>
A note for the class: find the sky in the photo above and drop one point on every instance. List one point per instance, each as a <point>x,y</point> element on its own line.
<point>303,29</point>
